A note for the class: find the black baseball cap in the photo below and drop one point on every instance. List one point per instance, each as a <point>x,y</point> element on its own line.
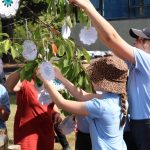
<point>144,33</point>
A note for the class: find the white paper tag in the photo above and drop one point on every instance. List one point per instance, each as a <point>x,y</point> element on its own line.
<point>68,125</point>
<point>47,70</point>
<point>88,36</point>
<point>29,50</point>
<point>65,31</point>
<point>8,8</point>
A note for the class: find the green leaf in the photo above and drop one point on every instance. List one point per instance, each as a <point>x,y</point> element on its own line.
<point>68,21</point>
<point>16,50</point>
<point>27,71</point>
<point>1,47</point>
<point>22,75</point>
<point>77,68</point>
<point>65,70</point>
<point>79,54</point>
<point>86,54</point>
<point>65,63</point>
<point>50,55</point>
<point>89,24</point>
<point>80,81</point>
<point>4,34</point>
<point>87,84</point>
<point>7,45</point>
<point>61,50</point>
<point>82,17</point>
<point>28,66</point>
<point>13,52</point>
<point>69,49</point>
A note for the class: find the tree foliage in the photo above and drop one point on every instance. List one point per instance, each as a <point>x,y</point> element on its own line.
<point>44,19</point>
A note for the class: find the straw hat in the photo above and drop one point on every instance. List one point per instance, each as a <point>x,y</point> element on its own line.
<point>109,72</point>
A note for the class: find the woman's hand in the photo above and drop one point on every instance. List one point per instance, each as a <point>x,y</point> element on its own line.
<point>39,75</point>
<point>58,73</point>
<point>80,3</point>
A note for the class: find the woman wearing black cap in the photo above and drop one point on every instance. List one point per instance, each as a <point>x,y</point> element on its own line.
<point>138,57</point>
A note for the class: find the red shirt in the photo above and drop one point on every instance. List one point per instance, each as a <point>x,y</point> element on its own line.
<point>33,125</point>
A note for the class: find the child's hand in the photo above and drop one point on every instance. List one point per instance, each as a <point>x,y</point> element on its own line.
<point>58,73</point>
<point>57,118</point>
<point>39,75</point>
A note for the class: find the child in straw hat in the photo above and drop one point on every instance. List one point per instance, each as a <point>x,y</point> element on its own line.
<point>105,112</point>
<point>138,57</point>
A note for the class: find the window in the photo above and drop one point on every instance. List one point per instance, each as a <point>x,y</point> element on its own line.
<point>123,9</point>
<point>115,9</point>
<point>139,8</point>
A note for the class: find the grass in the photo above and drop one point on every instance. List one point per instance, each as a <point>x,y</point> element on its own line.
<point>10,123</point>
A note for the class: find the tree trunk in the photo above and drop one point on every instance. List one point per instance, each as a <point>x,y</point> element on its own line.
<point>7,27</point>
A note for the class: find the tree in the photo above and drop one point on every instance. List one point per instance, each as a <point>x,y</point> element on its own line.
<point>44,29</point>
<point>7,28</point>
<point>23,13</point>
